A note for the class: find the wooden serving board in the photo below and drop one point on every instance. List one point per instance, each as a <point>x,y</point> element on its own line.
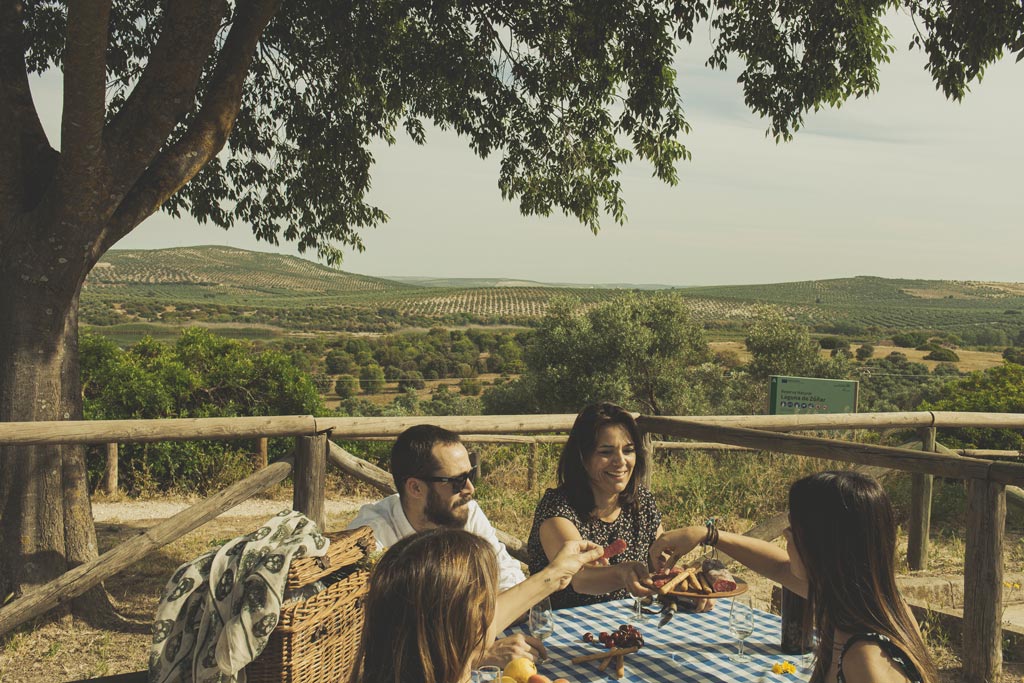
<point>741,587</point>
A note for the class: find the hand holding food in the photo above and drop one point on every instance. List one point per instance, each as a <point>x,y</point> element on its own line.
<point>573,556</point>
<point>616,547</point>
<point>635,578</point>
<point>671,545</point>
<point>518,646</point>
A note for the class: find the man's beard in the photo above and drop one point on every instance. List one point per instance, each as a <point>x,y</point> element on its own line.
<point>440,512</point>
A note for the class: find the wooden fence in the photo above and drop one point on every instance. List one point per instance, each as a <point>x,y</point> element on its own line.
<point>987,483</point>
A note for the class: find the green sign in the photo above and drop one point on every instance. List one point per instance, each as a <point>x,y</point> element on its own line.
<point>809,395</point>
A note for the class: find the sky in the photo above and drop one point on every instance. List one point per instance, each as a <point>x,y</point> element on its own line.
<point>904,184</point>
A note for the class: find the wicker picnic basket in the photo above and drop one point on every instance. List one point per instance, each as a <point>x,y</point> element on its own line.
<point>316,638</point>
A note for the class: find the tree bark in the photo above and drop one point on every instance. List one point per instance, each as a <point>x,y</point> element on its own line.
<point>45,516</point>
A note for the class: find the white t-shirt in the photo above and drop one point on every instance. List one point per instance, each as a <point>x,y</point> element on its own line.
<point>389,523</point>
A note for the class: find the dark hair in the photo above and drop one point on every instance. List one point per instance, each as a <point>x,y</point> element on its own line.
<point>412,454</point>
<point>572,477</point>
<point>430,604</point>
<point>844,529</point>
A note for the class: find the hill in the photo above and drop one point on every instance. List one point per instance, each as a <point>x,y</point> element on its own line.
<point>232,287</point>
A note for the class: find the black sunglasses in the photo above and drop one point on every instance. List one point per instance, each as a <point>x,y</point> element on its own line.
<point>457,482</point>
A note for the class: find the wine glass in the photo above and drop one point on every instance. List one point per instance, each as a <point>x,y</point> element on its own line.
<point>542,620</point>
<point>741,623</point>
<point>637,616</point>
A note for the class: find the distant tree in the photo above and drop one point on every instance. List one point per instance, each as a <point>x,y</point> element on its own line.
<point>371,379</point>
<point>832,342</point>
<point>780,347</point>
<point>1013,355</point>
<point>633,350</point>
<point>910,340</point>
<point>200,375</point>
<point>469,387</point>
<point>943,354</point>
<point>996,390</point>
<point>412,379</point>
<point>347,386</point>
<point>339,362</point>
<point>865,351</point>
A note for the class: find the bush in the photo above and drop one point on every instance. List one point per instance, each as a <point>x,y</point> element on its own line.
<point>469,387</point>
<point>347,386</point>
<point>865,351</point>
<point>833,342</point>
<point>945,355</point>
<point>1013,355</point>
<point>910,340</point>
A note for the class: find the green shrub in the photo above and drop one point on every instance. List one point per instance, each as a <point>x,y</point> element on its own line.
<point>865,351</point>
<point>945,355</point>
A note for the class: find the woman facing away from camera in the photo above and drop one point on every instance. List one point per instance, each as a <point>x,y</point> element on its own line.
<point>600,498</point>
<point>433,607</point>
<point>841,556</point>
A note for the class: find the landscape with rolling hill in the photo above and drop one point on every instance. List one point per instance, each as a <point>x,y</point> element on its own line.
<point>238,289</point>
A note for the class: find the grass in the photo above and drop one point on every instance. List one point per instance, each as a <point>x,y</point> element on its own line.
<point>740,489</point>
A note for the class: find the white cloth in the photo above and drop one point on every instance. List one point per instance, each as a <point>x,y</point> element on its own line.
<point>218,610</point>
<point>389,523</point>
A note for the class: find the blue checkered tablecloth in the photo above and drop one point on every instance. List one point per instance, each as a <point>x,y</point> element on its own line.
<point>692,648</point>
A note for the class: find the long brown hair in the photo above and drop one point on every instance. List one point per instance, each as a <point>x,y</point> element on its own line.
<point>430,604</point>
<point>572,477</point>
<point>845,532</point>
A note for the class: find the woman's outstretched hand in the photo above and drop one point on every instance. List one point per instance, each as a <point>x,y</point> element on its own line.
<point>671,545</point>
<point>635,578</point>
<point>573,556</point>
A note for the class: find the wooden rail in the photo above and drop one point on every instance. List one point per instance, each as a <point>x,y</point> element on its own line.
<point>989,481</point>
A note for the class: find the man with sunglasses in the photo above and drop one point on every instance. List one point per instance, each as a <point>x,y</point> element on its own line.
<point>433,475</point>
<point>432,472</point>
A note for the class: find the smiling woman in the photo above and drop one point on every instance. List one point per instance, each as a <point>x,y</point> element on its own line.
<point>599,498</point>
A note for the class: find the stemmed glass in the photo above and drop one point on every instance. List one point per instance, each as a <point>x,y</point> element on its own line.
<point>637,616</point>
<point>741,623</point>
<point>542,620</point>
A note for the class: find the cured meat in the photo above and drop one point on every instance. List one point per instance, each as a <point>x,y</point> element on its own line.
<point>616,547</point>
<point>718,576</point>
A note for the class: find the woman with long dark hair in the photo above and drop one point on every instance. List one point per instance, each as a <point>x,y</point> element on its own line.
<point>841,557</point>
<point>600,497</point>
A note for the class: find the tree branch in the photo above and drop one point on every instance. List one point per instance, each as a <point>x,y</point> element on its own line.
<point>166,90</point>
<point>24,148</point>
<point>85,87</point>
<point>208,132</point>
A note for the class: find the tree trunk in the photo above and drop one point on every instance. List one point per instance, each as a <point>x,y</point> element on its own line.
<point>46,523</point>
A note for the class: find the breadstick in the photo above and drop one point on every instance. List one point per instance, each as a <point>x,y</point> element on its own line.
<point>705,587</point>
<point>601,655</point>
<point>675,581</point>
<point>693,585</point>
<point>620,667</point>
<point>605,662</point>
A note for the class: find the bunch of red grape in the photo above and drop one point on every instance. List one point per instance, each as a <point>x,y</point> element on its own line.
<point>626,636</point>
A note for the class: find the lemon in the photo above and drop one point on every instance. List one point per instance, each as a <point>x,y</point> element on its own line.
<point>507,679</point>
<point>520,669</point>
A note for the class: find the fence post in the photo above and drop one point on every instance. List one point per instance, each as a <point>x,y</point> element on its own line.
<point>919,525</point>
<point>531,467</point>
<point>110,474</point>
<point>310,473</point>
<point>261,456</point>
<point>983,581</point>
<point>648,444</point>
